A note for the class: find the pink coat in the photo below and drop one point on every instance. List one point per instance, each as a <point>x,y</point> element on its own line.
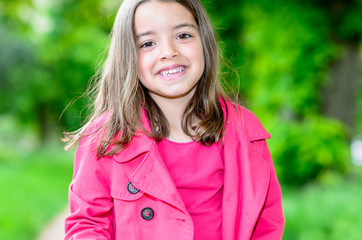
<point>102,207</point>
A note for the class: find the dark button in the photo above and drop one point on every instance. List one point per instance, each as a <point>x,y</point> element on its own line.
<point>147,213</point>
<point>131,188</point>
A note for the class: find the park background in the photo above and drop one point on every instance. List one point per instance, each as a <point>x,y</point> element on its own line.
<point>295,64</point>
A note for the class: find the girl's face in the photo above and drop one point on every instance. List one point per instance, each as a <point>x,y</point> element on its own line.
<point>171,58</point>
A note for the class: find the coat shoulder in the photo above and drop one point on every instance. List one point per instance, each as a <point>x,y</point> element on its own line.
<point>97,123</point>
<point>246,119</point>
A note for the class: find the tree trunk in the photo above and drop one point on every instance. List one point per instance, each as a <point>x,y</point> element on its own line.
<point>340,94</point>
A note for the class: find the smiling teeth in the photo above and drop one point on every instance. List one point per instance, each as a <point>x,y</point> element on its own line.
<point>172,71</point>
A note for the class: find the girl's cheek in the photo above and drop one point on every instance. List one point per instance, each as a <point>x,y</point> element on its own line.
<point>196,53</point>
<point>195,47</point>
<point>147,56</point>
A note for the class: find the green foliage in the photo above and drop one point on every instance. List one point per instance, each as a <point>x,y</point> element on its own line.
<point>286,64</point>
<point>309,150</point>
<point>351,23</point>
<point>288,56</point>
<point>283,51</point>
<point>43,71</point>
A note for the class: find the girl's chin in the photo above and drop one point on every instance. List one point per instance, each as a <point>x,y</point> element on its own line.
<point>171,96</point>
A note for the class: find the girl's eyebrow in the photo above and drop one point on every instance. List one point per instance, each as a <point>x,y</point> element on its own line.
<point>175,27</point>
<point>185,25</point>
<point>145,34</point>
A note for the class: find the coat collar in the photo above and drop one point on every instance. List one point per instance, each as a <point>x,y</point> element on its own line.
<point>140,143</point>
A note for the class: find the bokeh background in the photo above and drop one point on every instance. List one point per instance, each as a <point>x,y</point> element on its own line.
<point>295,64</point>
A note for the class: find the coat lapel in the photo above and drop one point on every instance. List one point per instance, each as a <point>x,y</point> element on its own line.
<point>151,176</point>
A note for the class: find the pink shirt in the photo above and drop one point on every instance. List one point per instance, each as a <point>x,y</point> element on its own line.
<point>198,172</point>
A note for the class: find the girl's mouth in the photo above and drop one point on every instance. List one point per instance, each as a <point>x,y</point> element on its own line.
<point>171,72</point>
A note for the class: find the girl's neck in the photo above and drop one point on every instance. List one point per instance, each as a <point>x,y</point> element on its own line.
<point>173,110</point>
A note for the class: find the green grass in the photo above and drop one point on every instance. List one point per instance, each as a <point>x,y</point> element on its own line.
<point>34,186</point>
<point>324,212</point>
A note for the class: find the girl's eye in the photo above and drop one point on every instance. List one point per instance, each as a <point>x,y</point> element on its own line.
<point>183,36</point>
<point>147,44</point>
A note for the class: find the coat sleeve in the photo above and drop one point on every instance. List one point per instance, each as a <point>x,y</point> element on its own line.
<point>89,196</point>
<point>270,224</point>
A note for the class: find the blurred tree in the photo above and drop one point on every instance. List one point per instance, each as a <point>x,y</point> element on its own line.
<point>48,58</point>
<point>17,60</point>
<point>292,52</point>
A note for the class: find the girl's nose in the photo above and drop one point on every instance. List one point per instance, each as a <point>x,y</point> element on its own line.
<point>169,51</point>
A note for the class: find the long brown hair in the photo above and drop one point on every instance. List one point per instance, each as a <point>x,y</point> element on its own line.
<point>119,93</point>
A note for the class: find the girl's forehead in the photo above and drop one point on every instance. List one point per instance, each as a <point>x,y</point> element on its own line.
<point>157,14</point>
<point>157,6</point>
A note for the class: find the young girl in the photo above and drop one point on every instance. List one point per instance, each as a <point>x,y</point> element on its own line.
<point>165,155</point>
